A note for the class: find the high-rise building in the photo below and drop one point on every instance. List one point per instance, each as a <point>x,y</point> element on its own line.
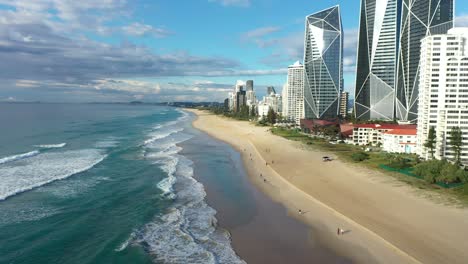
<point>249,85</point>
<point>240,100</point>
<point>323,63</point>
<point>271,90</point>
<point>443,92</point>
<point>250,94</point>
<point>344,98</point>
<point>293,93</point>
<point>284,103</point>
<point>379,32</point>
<point>419,18</point>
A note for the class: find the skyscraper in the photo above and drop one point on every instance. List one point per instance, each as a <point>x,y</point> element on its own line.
<point>250,94</point>
<point>249,85</point>
<point>376,69</point>
<point>293,93</point>
<point>443,97</point>
<point>419,18</point>
<point>323,63</point>
<point>270,90</point>
<point>344,98</point>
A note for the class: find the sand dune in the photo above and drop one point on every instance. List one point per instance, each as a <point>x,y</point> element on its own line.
<point>387,222</point>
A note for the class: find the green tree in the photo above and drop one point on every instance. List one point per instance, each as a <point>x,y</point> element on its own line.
<point>359,156</point>
<point>448,174</point>
<point>431,141</point>
<point>399,162</point>
<point>429,170</point>
<point>456,140</point>
<point>331,131</point>
<point>253,111</point>
<point>271,116</point>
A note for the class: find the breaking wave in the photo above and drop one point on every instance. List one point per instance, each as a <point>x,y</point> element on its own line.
<point>19,156</point>
<point>24,175</point>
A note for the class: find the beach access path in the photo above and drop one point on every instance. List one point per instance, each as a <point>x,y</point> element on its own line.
<point>385,221</point>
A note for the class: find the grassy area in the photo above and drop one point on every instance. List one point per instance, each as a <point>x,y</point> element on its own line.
<point>456,196</point>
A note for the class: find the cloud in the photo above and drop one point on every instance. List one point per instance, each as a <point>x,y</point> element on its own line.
<point>65,16</point>
<point>350,50</point>
<point>140,30</point>
<point>285,50</point>
<point>461,21</point>
<point>260,32</point>
<point>239,3</point>
<point>47,56</point>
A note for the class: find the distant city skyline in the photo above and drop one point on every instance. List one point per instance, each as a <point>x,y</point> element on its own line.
<point>121,50</point>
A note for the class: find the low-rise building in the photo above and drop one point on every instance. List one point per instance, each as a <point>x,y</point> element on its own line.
<point>399,141</point>
<point>371,134</point>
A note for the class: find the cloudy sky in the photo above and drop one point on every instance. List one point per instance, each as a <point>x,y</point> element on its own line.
<point>155,50</point>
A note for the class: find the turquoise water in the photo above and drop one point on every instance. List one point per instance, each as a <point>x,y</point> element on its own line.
<point>102,184</point>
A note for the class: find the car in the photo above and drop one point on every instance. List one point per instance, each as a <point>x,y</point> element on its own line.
<point>326,158</point>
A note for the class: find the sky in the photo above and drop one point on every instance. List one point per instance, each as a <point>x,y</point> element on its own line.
<point>158,50</point>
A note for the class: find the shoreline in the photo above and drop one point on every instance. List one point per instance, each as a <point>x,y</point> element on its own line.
<point>338,195</point>
<point>245,211</point>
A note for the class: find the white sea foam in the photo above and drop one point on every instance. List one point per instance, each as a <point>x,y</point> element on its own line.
<point>163,134</point>
<point>19,156</point>
<point>188,233</point>
<point>125,244</point>
<point>24,175</point>
<point>61,145</point>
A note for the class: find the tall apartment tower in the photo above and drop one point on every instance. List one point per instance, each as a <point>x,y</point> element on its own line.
<point>419,18</point>
<point>443,87</point>
<point>344,98</point>
<point>249,85</point>
<point>323,64</point>
<point>379,32</point>
<point>251,98</point>
<point>293,93</point>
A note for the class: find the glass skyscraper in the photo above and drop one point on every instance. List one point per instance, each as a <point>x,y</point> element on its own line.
<point>420,18</point>
<point>377,59</point>
<point>323,64</point>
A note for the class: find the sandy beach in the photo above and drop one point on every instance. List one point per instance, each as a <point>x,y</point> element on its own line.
<point>386,221</point>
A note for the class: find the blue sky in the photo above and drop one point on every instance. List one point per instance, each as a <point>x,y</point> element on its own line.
<point>122,50</point>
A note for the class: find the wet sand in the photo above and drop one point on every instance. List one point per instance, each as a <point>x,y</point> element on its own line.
<point>261,229</point>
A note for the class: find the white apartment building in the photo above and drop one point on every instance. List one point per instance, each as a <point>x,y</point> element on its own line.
<point>251,98</point>
<point>262,109</point>
<point>274,101</point>
<point>293,96</point>
<point>443,92</point>
<point>372,134</point>
<point>399,141</point>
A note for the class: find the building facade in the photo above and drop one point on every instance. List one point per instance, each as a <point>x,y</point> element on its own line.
<point>443,86</point>
<point>323,64</point>
<point>399,141</point>
<point>344,98</point>
<point>372,134</point>
<point>379,33</point>
<point>293,93</point>
<point>274,101</point>
<point>419,18</point>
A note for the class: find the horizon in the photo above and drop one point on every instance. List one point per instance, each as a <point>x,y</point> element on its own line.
<point>122,51</point>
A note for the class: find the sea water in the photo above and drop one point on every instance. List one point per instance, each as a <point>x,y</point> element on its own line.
<point>102,183</point>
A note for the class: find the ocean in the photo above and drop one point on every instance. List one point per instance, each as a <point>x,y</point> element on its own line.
<point>104,183</point>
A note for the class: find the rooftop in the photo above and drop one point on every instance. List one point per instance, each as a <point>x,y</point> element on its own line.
<point>385,126</point>
<point>408,132</point>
